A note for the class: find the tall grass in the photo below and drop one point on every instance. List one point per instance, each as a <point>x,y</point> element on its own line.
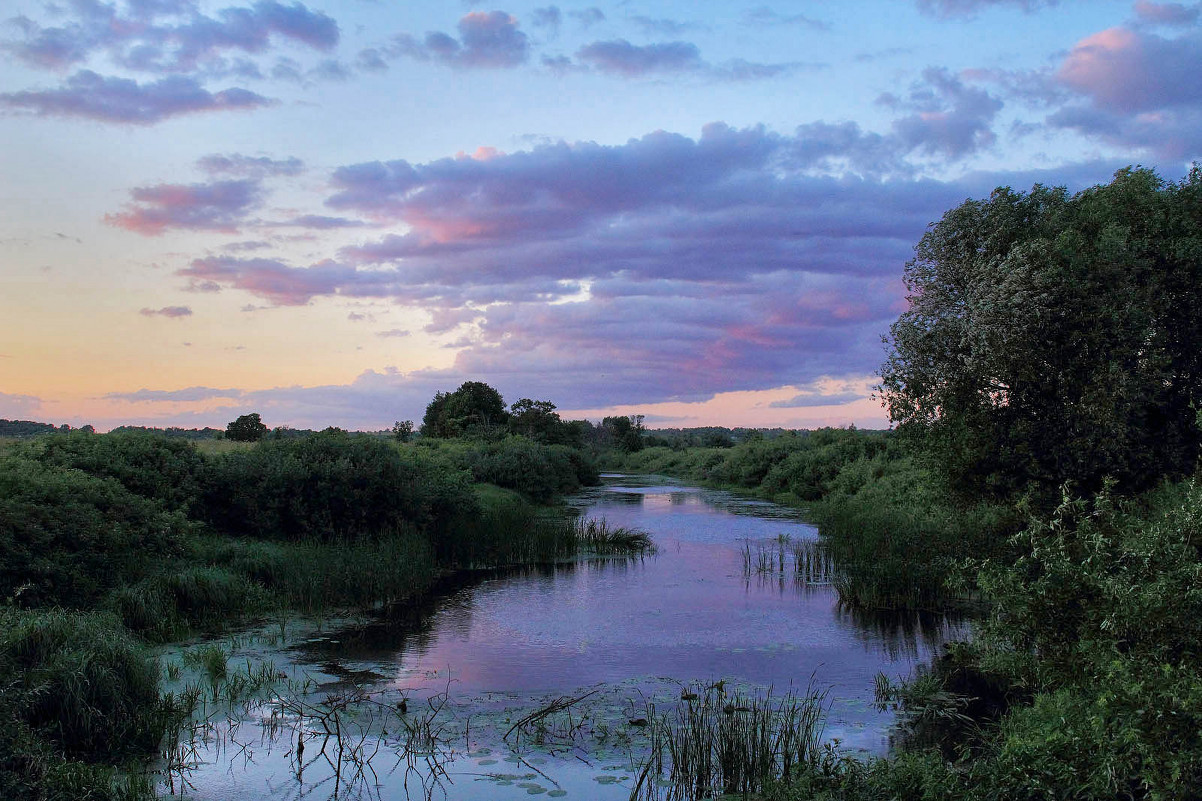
<point>80,680</point>
<point>597,537</point>
<point>738,743</point>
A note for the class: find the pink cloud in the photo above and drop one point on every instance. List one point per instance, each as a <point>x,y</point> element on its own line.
<point>1126,71</point>
<point>220,206</point>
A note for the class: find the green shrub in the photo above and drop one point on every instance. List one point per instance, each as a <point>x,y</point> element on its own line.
<point>170,470</point>
<point>333,487</point>
<point>67,537</point>
<point>541,472</point>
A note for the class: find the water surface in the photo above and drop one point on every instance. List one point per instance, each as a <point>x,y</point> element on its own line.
<point>626,632</point>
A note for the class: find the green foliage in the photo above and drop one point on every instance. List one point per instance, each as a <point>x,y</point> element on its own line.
<point>1053,338</point>
<point>334,486</point>
<point>402,430</point>
<point>80,681</point>
<point>475,409</point>
<point>1100,582</point>
<point>167,469</point>
<point>247,428</point>
<point>313,576</point>
<point>625,432</point>
<point>26,428</point>
<point>538,421</point>
<point>67,537</point>
<point>541,472</point>
<point>177,602</point>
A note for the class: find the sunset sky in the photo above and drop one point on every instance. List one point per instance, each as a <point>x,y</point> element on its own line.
<point>327,211</point>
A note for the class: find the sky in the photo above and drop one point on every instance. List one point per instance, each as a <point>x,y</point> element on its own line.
<point>325,212</point>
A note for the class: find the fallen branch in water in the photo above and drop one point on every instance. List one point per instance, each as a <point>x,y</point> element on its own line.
<point>558,705</point>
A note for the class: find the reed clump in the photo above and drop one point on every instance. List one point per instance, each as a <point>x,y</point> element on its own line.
<point>720,742</point>
<point>597,536</point>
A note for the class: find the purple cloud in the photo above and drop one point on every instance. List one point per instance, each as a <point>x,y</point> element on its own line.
<point>394,333</point>
<point>167,311</point>
<point>143,42</point>
<point>120,100</point>
<point>276,281</point>
<point>219,206</point>
<point>681,267</point>
<point>548,17</point>
<point>947,9</point>
<point>763,16</point>
<point>489,40</point>
<point>1125,71</point>
<point>948,118</point>
<point>1134,88</point>
<point>621,58</point>
<point>186,395</point>
<point>588,17</point>
<point>662,26</point>
<point>318,222</point>
<point>250,166</point>
<point>1173,14</point>
<point>13,406</point>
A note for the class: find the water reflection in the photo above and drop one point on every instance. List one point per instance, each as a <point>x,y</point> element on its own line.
<point>504,643</point>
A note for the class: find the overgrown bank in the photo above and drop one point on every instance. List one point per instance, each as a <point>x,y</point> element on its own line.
<point>108,542</point>
<point>1044,382</point>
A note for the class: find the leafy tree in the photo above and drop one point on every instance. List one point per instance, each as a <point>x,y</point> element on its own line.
<point>539,421</point>
<point>627,431</point>
<point>247,428</point>
<point>473,409</point>
<point>402,430</point>
<point>1053,337</point>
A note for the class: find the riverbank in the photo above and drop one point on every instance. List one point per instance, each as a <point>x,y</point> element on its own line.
<point>1082,680</point>
<point>638,637</point>
<point>114,541</point>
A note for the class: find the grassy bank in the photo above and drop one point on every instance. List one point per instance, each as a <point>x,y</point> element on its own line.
<point>897,539</point>
<point>1082,678</point>
<point>109,542</point>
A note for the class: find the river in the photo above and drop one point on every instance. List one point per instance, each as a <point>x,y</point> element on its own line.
<point>713,606</point>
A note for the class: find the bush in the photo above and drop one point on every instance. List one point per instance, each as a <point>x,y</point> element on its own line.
<point>333,487</point>
<point>67,537</point>
<point>170,470</point>
<point>541,472</point>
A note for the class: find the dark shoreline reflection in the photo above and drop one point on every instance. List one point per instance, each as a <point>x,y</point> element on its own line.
<point>691,612</point>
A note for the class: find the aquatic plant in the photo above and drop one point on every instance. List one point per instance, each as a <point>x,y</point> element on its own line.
<point>596,536</point>
<point>737,742</point>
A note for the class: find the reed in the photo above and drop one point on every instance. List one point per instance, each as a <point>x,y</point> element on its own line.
<point>598,537</point>
<point>733,743</point>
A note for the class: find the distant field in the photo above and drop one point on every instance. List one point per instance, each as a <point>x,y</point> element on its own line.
<point>218,446</point>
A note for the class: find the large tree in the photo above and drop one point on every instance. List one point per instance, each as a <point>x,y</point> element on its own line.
<point>247,428</point>
<point>1055,337</point>
<point>474,408</point>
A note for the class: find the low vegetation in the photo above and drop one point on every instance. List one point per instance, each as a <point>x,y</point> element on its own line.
<point>111,541</point>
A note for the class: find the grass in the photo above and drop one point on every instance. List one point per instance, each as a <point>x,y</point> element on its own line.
<point>597,537</point>
<point>216,447</point>
<point>733,743</point>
